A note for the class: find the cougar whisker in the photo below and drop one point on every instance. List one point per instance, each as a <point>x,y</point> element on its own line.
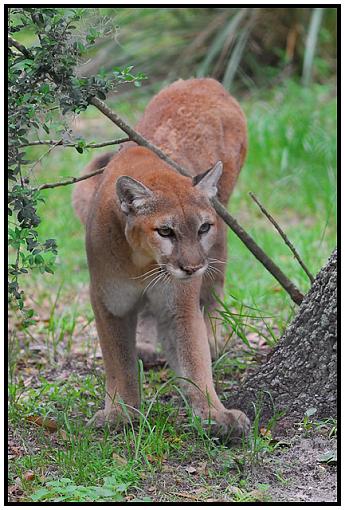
<point>153,282</point>
<point>217,261</point>
<point>158,271</point>
<point>147,272</point>
<point>214,269</point>
<point>209,274</point>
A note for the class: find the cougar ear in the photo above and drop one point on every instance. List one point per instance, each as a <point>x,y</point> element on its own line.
<point>207,182</point>
<point>133,195</point>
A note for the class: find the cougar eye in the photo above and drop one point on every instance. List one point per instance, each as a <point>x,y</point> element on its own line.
<point>205,227</point>
<point>165,231</point>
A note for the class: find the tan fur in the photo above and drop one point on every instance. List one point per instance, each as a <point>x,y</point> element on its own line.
<point>197,123</point>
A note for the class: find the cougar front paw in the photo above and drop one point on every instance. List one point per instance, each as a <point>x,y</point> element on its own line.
<point>113,418</point>
<point>232,424</point>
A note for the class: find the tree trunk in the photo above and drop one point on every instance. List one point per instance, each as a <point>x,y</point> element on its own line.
<point>301,373</point>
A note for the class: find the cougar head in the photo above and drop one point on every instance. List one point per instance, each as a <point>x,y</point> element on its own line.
<point>170,221</point>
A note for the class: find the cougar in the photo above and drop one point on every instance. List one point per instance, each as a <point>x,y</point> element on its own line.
<point>156,248</point>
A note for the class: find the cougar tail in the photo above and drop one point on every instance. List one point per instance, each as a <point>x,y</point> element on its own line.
<point>84,190</point>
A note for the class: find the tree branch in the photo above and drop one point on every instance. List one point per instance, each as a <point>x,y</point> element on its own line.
<point>60,142</point>
<point>42,156</point>
<point>259,254</point>
<point>24,51</point>
<point>73,180</point>
<point>284,236</point>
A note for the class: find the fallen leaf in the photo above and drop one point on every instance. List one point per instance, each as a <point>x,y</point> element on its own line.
<point>166,468</point>
<point>265,432</point>
<point>28,381</point>
<point>232,489</point>
<point>14,490</point>
<point>47,423</point>
<point>257,495</point>
<point>63,434</point>
<point>29,475</point>
<point>191,470</point>
<point>119,459</point>
<point>310,412</point>
<point>198,490</point>
<point>16,451</point>
<point>202,468</point>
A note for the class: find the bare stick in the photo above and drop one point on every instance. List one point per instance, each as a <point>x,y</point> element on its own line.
<point>258,253</point>
<point>60,142</point>
<point>43,156</point>
<point>73,180</point>
<point>284,236</point>
<point>267,262</point>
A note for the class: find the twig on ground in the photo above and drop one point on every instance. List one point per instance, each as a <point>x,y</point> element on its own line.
<point>187,496</point>
<point>60,142</point>
<point>284,236</point>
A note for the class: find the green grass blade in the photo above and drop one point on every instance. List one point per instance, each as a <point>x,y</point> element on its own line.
<point>219,40</point>
<point>236,55</point>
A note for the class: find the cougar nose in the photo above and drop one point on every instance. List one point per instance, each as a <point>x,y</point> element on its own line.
<point>190,269</point>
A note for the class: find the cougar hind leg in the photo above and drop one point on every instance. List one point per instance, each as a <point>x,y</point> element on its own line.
<point>147,339</point>
<point>214,326</point>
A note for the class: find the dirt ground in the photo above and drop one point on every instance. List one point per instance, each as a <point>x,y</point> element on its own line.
<point>292,474</point>
<point>295,472</point>
<point>301,468</point>
<point>303,477</point>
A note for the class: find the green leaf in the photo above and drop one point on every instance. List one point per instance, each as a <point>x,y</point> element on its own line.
<point>104,492</point>
<point>329,458</point>
<point>23,64</point>
<point>40,494</point>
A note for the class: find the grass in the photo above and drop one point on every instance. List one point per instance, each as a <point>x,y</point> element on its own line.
<point>80,461</point>
<point>55,367</point>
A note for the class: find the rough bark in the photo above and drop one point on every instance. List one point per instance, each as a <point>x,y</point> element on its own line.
<point>301,373</point>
